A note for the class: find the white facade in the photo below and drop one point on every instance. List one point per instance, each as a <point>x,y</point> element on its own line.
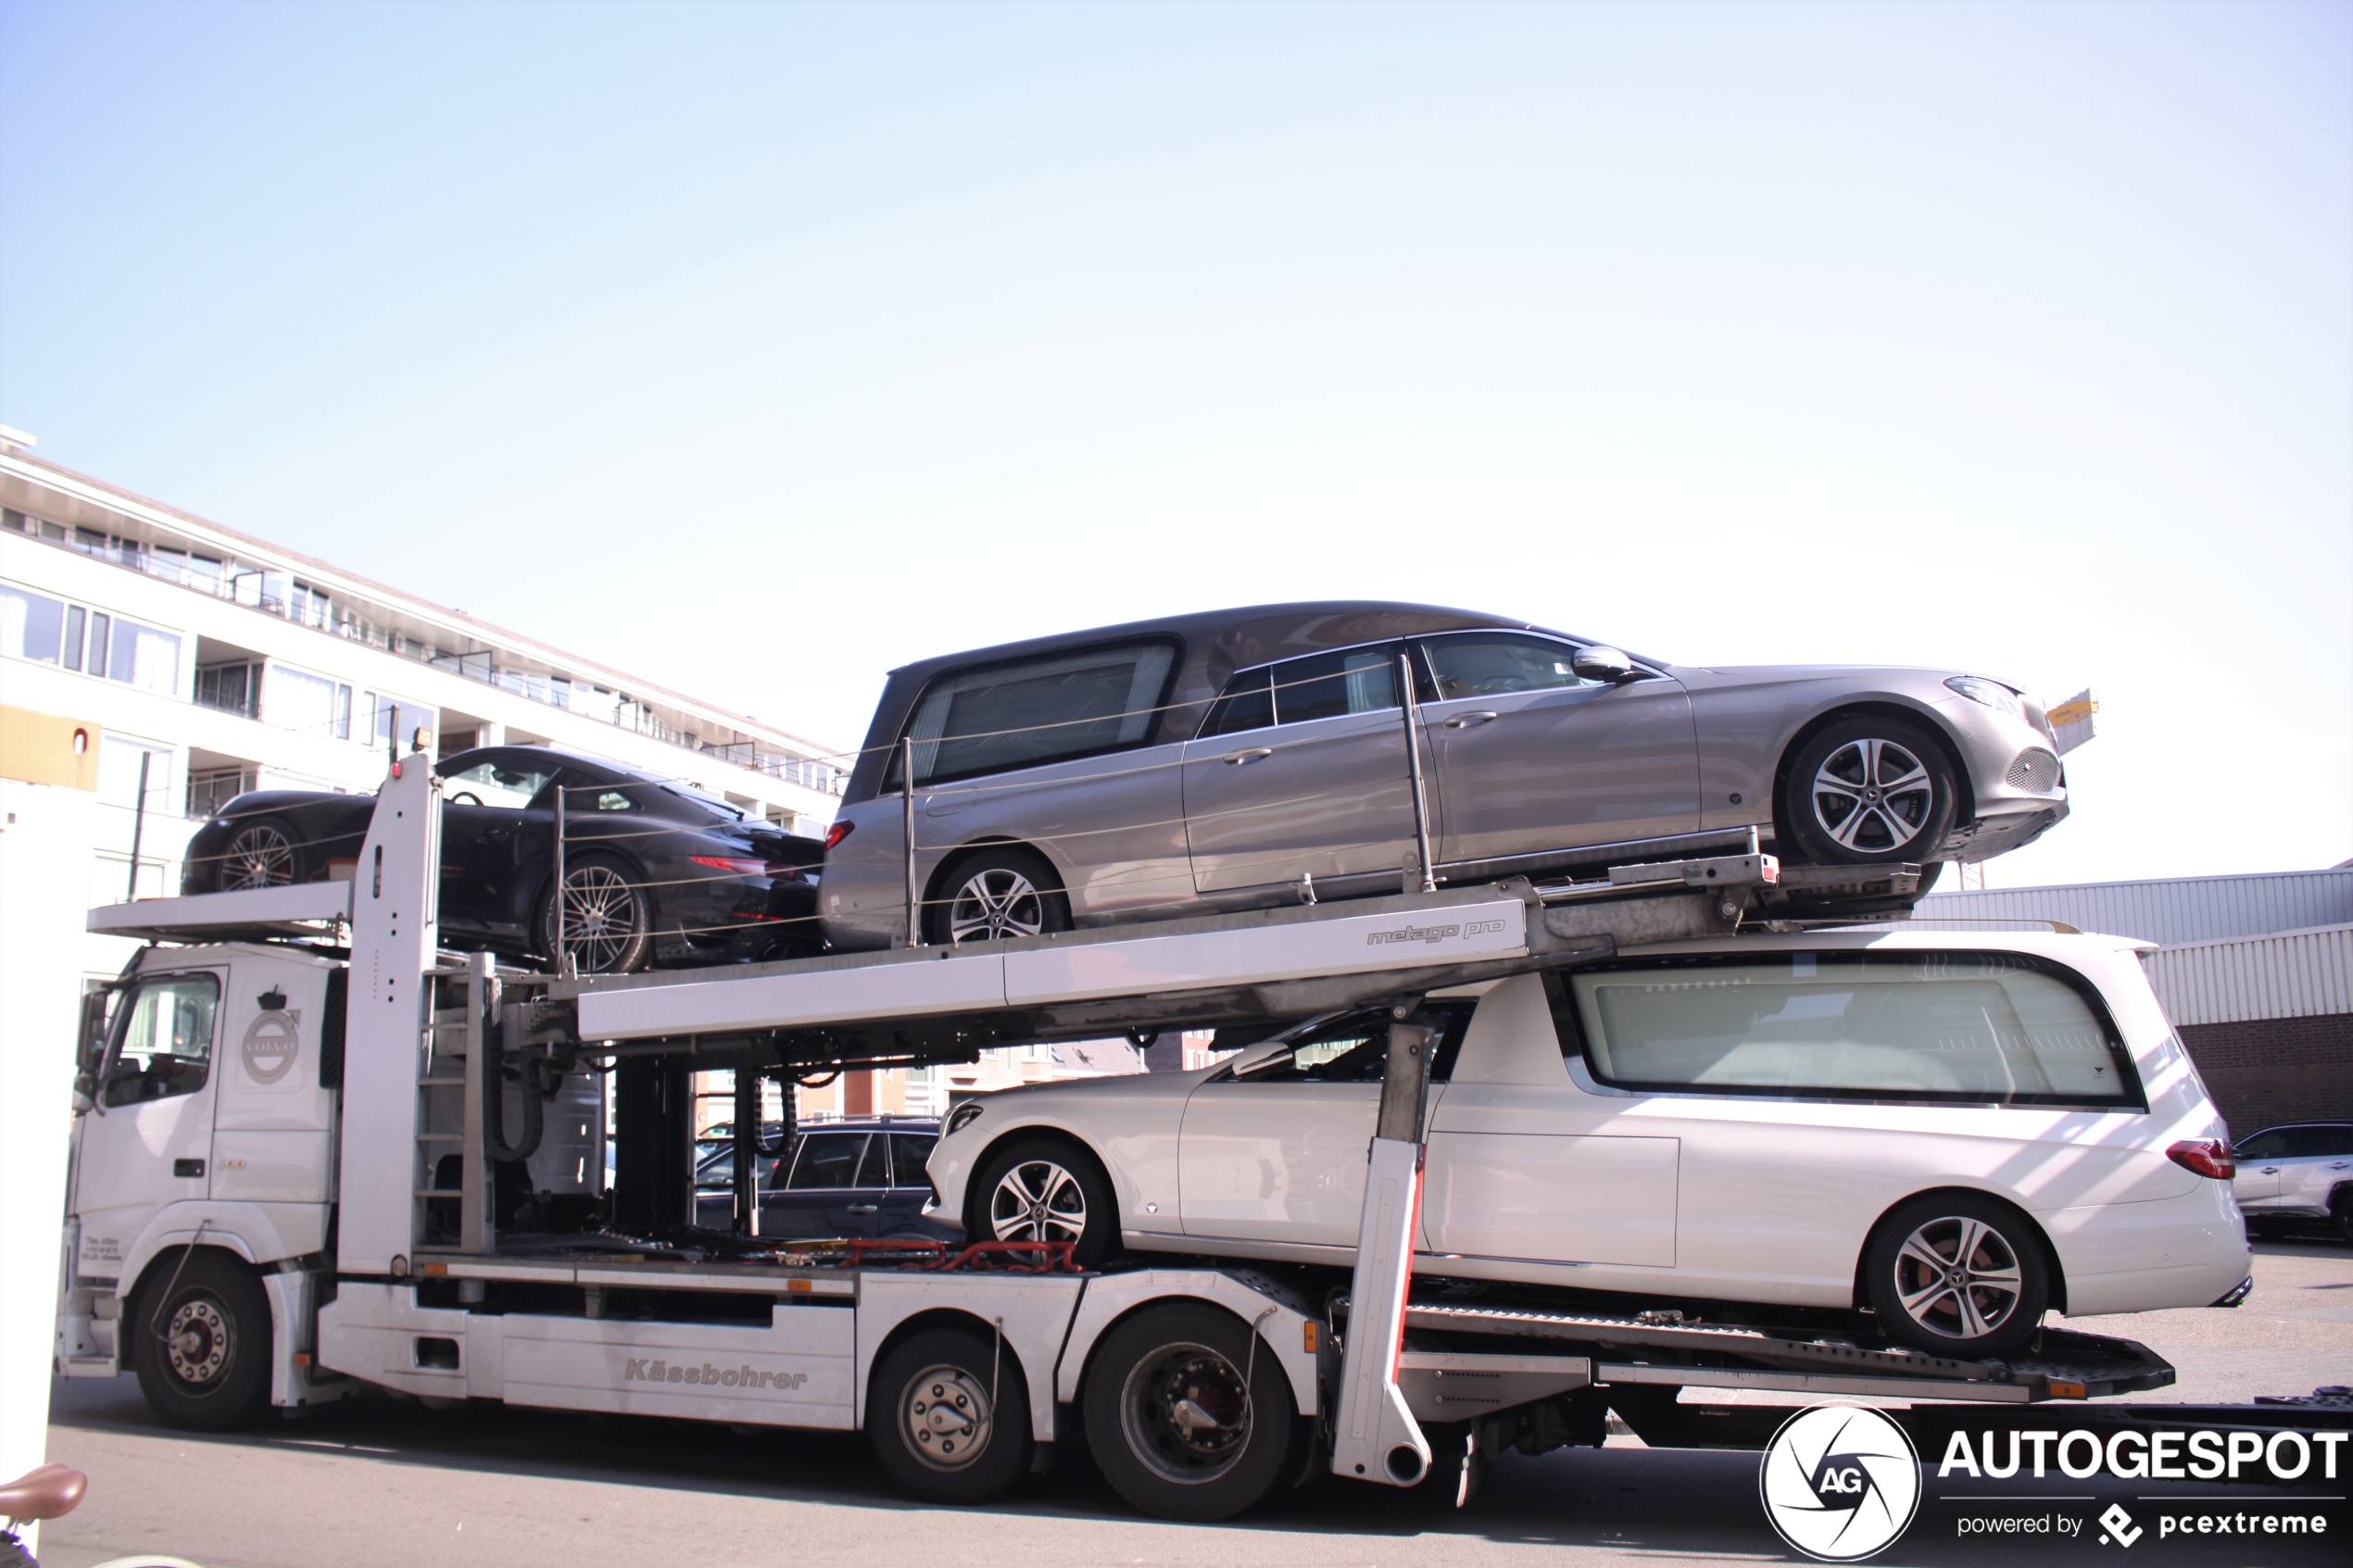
<point>228,664</point>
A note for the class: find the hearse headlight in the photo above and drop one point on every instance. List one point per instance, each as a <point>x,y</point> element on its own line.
<point>1993,694</point>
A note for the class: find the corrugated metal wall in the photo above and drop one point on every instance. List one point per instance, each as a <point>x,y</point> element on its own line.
<point>2204,908</point>
<point>2297,975</point>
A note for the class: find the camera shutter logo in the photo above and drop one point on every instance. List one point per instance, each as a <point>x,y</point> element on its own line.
<point>274,1042</point>
<point>1840,1482</point>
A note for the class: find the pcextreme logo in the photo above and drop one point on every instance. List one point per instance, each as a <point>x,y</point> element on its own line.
<point>1840,1482</point>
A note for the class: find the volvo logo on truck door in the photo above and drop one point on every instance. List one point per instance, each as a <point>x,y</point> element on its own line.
<point>272,1044</point>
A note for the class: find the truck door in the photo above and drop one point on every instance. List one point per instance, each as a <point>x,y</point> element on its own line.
<point>1301,769</point>
<point>272,1117</point>
<point>1531,758</point>
<point>147,1139</point>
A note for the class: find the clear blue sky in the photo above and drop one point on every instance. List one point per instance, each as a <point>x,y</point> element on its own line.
<point>757,348</point>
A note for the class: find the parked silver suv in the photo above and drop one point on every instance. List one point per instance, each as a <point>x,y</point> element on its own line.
<point>1233,760</point>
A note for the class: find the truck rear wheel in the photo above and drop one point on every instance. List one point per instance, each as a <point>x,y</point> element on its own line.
<point>948,1413</point>
<point>200,1340</point>
<point>1188,1417</point>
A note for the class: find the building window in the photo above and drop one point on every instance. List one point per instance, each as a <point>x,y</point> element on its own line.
<point>232,689</point>
<point>313,704</point>
<point>140,656</point>
<point>119,759</point>
<point>30,624</point>
<point>389,721</point>
<point>52,631</point>
<point>215,787</point>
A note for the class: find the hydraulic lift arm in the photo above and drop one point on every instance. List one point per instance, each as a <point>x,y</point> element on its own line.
<point>1374,1435</point>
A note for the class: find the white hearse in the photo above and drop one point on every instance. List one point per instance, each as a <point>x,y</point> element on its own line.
<point>1954,1132</point>
<point>313,1153</point>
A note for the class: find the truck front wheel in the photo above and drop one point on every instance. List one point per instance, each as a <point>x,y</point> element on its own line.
<point>200,1340</point>
<point>1188,1417</point>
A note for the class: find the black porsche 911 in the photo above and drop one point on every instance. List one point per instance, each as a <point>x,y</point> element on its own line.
<point>654,873</point>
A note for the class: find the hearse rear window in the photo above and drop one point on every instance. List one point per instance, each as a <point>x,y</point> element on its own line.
<point>1974,1027</point>
<point>1040,711</point>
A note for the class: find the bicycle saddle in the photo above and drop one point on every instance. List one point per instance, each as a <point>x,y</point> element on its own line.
<point>50,1492</point>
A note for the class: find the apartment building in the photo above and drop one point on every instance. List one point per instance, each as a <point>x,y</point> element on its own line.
<point>155,645</point>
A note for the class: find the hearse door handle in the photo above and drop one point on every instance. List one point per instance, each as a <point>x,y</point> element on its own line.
<point>865,1207</point>
<point>1236,759</point>
<point>1464,721</point>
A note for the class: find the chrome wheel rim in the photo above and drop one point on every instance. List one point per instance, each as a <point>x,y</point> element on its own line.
<point>1038,1201</point>
<point>1958,1278</point>
<point>1872,796</point>
<point>257,856</point>
<point>198,1343</point>
<point>994,905</point>
<point>1185,1411</point>
<point>602,915</point>
<point>946,1417</point>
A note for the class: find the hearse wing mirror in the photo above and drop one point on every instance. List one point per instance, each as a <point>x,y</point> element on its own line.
<point>1600,663</point>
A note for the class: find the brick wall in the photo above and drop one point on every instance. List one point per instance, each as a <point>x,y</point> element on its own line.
<point>2276,1068</point>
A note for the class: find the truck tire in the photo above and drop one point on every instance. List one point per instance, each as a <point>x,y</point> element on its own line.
<point>199,1340</point>
<point>948,1413</point>
<point>1958,1275</point>
<point>1170,1424</point>
<point>1868,791</point>
<point>1045,1189</point>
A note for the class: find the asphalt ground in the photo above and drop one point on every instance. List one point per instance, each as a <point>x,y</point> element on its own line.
<point>381,1482</point>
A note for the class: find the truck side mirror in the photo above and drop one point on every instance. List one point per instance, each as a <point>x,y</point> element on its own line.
<point>1602,663</point>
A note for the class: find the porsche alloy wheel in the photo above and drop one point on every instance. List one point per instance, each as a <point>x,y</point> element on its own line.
<point>259,854</point>
<point>608,926</point>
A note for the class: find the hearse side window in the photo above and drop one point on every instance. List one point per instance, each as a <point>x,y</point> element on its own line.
<point>1245,704</point>
<point>1355,1050</point>
<point>1971,1027</point>
<point>1325,685</point>
<point>1500,664</point>
<point>1040,710</point>
<point>164,1044</point>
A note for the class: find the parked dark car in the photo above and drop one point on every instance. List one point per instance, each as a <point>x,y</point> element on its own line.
<point>1243,758</point>
<point>654,873</point>
<point>846,1179</point>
